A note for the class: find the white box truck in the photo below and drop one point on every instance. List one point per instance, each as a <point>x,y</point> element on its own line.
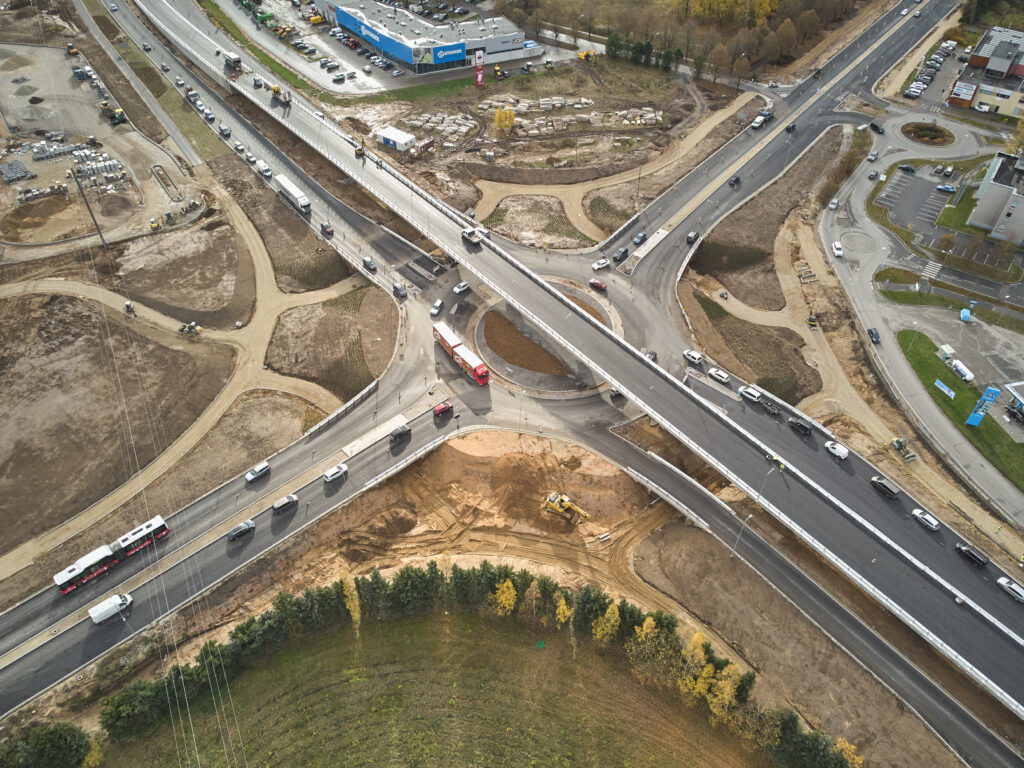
<point>293,194</point>
<point>109,608</point>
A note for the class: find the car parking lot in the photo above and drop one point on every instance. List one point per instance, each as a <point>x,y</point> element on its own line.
<point>914,199</point>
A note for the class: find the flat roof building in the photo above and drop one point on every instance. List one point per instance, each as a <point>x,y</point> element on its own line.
<point>426,41</point>
<point>1000,200</point>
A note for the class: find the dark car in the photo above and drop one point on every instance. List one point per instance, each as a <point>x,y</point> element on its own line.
<point>800,425</point>
<point>400,433</point>
<point>734,182</point>
<point>974,557</point>
<point>876,128</point>
<point>907,168</point>
<point>368,264</point>
<point>620,255</point>
<point>791,127</point>
<point>873,335</point>
<point>241,529</point>
<point>692,238</point>
<point>639,238</point>
<point>399,290</point>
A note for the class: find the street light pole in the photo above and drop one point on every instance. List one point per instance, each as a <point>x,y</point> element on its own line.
<point>761,489</point>
<point>376,375</point>
<point>742,526</point>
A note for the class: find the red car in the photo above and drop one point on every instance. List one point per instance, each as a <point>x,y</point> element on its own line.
<point>598,285</point>
<point>442,408</point>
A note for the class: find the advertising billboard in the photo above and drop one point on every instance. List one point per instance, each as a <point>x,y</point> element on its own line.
<point>439,54</point>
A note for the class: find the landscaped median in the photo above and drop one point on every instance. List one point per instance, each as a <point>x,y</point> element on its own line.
<point>988,437</point>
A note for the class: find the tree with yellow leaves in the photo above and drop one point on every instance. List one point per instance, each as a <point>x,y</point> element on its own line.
<point>653,657</point>
<point>562,611</point>
<point>607,627</point>
<point>721,696</point>
<point>697,674</point>
<point>847,750</point>
<point>504,597</point>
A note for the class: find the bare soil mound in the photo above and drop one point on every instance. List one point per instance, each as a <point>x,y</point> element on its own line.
<point>325,343</point>
<point>506,341</point>
<point>28,217</point>
<point>91,399</point>
<point>537,220</point>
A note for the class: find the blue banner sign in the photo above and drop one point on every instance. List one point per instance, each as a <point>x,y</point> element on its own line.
<point>982,406</point>
<point>945,389</point>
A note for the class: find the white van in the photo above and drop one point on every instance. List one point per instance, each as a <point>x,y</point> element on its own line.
<point>264,169</point>
<point>110,607</point>
<point>962,371</point>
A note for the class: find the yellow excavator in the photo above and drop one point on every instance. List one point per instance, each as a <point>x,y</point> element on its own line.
<point>564,506</point>
<point>586,55</point>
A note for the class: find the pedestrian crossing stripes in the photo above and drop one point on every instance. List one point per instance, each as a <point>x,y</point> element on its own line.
<point>932,270</point>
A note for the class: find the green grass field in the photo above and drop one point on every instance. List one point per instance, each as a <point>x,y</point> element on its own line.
<point>988,437</point>
<point>450,690</point>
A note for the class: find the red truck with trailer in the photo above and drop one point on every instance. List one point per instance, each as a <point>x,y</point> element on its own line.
<point>463,356</point>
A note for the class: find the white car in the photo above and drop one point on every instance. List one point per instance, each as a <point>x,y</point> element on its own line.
<point>461,287</point>
<point>904,12</point>
<point>600,264</point>
<point>178,81</point>
<point>693,356</point>
<point>750,393</point>
<point>925,519</point>
<point>1012,588</point>
<point>838,450</point>
<point>833,205</point>
<point>250,157</point>
<point>318,115</point>
<point>332,474</point>
<point>258,471</point>
<point>718,375</point>
<point>837,249</point>
<point>239,146</point>
<point>398,73</point>
<point>436,309</point>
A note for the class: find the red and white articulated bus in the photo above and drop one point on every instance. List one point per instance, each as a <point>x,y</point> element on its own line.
<point>102,559</point>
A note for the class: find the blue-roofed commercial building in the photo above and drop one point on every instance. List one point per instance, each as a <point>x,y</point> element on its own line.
<point>423,44</point>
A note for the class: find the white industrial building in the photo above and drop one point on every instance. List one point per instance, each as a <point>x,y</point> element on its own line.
<point>423,44</point>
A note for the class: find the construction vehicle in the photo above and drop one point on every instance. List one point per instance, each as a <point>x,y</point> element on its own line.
<point>549,64</point>
<point>901,447</point>
<point>812,320</point>
<point>154,224</point>
<point>105,109</point>
<point>586,55</point>
<point>232,61</point>
<point>562,505</point>
<point>360,150</point>
<point>191,329</point>
<point>118,117</point>
<point>498,73</point>
<point>266,18</point>
<point>70,50</point>
<point>191,94</point>
<point>314,20</point>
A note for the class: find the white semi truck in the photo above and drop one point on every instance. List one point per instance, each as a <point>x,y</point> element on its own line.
<point>293,194</point>
<point>109,608</point>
